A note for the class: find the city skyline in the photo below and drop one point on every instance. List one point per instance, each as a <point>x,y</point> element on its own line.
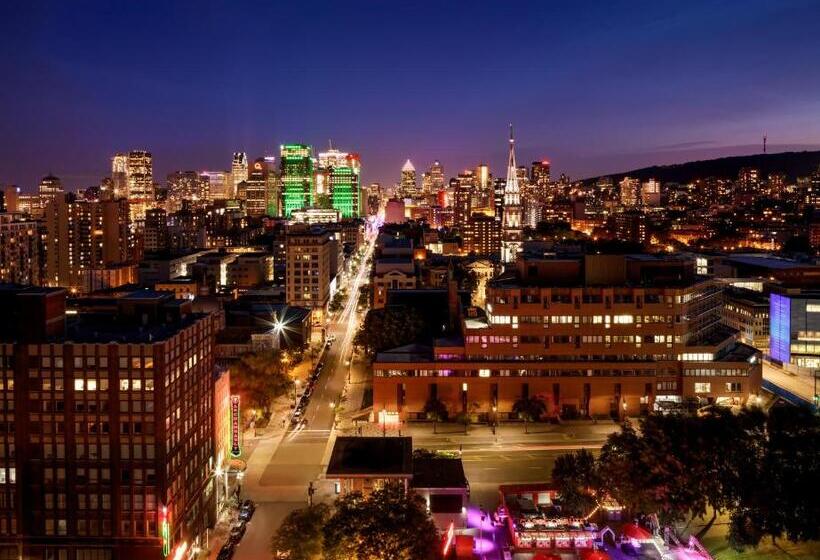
<point>599,93</point>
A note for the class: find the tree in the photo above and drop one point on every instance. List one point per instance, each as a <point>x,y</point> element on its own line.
<point>301,533</point>
<point>578,481</point>
<point>383,329</point>
<point>262,377</point>
<point>529,410</point>
<point>435,410</point>
<point>389,524</point>
<point>338,301</point>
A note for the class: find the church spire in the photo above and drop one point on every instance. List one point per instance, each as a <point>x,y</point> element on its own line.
<point>511,235</point>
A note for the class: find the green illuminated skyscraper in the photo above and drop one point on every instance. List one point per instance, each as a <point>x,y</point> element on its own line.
<point>344,187</point>
<point>297,177</point>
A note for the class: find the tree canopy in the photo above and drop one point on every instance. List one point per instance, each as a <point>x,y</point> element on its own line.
<point>387,328</point>
<point>300,535</point>
<point>261,377</point>
<point>388,524</point>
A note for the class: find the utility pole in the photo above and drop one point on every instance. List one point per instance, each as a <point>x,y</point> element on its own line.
<point>311,491</point>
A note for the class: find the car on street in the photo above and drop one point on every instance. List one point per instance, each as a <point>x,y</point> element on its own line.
<point>237,532</point>
<point>246,510</point>
<point>226,552</point>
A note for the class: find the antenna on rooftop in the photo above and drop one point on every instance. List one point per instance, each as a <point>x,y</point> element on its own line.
<point>764,142</point>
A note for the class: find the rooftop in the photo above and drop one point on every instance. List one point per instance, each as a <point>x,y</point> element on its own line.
<point>390,456</point>
<point>438,472</point>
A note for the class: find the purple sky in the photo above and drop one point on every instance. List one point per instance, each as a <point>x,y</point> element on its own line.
<point>597,88</point>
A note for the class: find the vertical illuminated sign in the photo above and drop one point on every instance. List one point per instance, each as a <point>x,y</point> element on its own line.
<point>165,531</point>
<point>236,451</point>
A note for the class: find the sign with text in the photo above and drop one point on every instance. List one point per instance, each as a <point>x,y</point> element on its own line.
<point>236,427</point>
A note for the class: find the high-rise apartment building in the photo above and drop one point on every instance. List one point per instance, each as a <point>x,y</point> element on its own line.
<point>50,187</point>
<point>462,202</point>
<point>296,165</point>
<point>483,235</point>
<point>111,453</point>
<point>630,192</point>
<point>83,236</point>
<point>140,183</point>
<point>311,254</point>
<point>651,193</point>
<point>239,171</point>
<point>187,186</point>
<point>511,237</point>
<point>155,233</point>
<point>19,250</point>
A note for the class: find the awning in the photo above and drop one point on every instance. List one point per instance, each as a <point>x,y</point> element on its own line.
<point>589,554</point>
<point>632,531</point>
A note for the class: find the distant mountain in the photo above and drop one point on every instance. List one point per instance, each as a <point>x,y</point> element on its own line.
<point>793,164</point>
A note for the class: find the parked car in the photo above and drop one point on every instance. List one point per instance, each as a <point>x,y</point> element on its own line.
<point>226,552</point>
<point>237,532</point>
<point>246,510</point>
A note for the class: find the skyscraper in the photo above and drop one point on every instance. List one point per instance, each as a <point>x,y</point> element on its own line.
<point>408,184</point>
<point>187,186</point>
<point>140,183</point>
<point>630,192</point>
<point>338,181</point>
<point>50,187</point>
<point>219,184</point>
<point>119,174</point>
<point>239,171</point>
<point>296,166</point>
<point>256,200</point>
<point>436,174</point>
<point>511,220</point>
<point>462,203</point>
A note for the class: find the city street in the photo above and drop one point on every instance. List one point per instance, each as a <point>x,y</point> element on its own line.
<point>283,465</point>
<point>802,386</point>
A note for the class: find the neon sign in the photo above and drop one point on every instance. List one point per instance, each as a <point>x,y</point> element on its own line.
<point>165,531</point>
<point>236,450</point>
<point>448,541</point>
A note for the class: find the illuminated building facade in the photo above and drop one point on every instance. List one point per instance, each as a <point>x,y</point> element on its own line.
<point>409,184</point>
<point>219,184</point>
<point>82,236</point>
<point>296,166</point>
<point>256,197</point>
<point>311,268</point>
<point>19,250</point>
<point>595,336</point>
<point>511,238</point>
<point>239,171</point>
<point>140,183</point>
<point>187,186</point>
<point>794,327</point>
<point>630,192</point>
<point>115,443</point>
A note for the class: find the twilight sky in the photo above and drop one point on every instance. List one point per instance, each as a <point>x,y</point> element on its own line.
<point>597,88</point>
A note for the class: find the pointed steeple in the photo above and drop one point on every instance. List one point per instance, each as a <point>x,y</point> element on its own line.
<point>512,176</point>
<point>511,241</point>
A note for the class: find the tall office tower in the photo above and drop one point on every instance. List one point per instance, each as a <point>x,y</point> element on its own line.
<point>219,184</point>
<point>374,198</point>
<point>19,250</point>
<point>523,175</point>
<point>84,236</point>
<point>140,183</point>
<point>338,181</point>
<point>511,239</point>
<point>345,190</point>
<point>256,196</point>
<point>651,193</point>
<point>426,183</point>
<point>408,185</point>
<point>112,456</point>
<point>272,194</point>
<point>498,198</point>
<point>436,174</point>
<point>483,235</point>
<point>540,175</point>
<point>239,171</point>
<point>50,187</point>
<point>296,165</point>
<point>155,233</point>
<point>119,175</point>
<point>630,192</point>
<point>483,196</point>
<point>630,225</point>
<point>462,203</point>
<point>187,186</point>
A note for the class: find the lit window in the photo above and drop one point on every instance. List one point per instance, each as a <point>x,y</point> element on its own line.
<point>703,387</point>
<point>79,384</point>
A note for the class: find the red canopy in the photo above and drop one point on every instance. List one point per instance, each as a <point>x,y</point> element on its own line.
<point>546,556</point>
<point>589,554</point>
<point>636,532</point>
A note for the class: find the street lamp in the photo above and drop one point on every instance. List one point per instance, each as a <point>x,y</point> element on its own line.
<point>495,417</point>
